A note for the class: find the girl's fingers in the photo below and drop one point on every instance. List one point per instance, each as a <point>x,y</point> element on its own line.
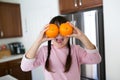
<point>72,35</point>
<point>42,33</point>
<point>46,26</point>
<point>45,29</point>
<point>71,24</point>
<point>75,28</point>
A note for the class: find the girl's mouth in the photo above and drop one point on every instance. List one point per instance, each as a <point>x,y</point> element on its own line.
<point>59,40</point>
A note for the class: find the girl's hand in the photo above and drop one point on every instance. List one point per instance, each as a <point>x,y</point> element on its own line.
<point>82,37</point>
<point>76,32</point>
<point>31,53</point>
<point>42,37</point>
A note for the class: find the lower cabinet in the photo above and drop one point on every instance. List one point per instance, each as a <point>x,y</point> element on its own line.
<point>13,68</point>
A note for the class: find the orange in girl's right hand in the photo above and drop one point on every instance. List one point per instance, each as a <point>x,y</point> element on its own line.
<point>52,31</point>
<point>66,29</point>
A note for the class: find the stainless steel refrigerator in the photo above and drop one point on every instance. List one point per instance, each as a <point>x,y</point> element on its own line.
<point>91,23</point>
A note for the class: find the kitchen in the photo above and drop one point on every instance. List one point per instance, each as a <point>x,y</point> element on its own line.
<point>33,13</point>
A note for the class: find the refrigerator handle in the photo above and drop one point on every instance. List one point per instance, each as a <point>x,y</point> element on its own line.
<point>97,31</point>
<point>73,21</point>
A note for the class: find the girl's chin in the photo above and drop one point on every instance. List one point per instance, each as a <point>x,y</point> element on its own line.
<point>60,46</point>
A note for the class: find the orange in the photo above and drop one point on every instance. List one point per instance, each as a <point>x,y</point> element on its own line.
<point>66,29</point>
<point>52,31</point>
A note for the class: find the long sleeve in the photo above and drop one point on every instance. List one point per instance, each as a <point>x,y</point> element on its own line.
<point>30,64</point>
<point>27,64</point>
<point>86,56</point>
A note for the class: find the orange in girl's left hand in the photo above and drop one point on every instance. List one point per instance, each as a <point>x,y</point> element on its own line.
<point>66,29</point>
<point>52,31</point>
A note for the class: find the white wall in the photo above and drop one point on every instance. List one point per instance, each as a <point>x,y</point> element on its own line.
<point>35,15</point>
<point>112,38</point>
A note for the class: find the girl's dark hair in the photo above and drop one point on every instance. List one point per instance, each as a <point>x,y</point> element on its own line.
<point>58,20</point>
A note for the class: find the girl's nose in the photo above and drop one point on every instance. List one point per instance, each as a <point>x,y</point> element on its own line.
<point>59,36</point>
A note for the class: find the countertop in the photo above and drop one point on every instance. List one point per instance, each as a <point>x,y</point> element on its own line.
<point>12,57</point>
<point>8,77</point>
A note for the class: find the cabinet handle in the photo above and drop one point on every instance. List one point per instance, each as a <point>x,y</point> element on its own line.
<point>10,71</point>
<point>19,62</point>
<point>6,71</point>
<point>80,2</point>
<point>1,33</point>
<point>75,3</point>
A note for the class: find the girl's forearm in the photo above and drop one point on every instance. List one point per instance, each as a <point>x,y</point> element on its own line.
<point>87,43</point>
<point>32,51</point>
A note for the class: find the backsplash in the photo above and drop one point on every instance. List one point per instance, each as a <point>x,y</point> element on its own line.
<point>9,40</point>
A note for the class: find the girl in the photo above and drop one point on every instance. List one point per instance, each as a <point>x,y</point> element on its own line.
<point>60,60</point>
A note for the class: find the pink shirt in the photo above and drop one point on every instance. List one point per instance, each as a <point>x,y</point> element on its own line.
<point>57,62</point>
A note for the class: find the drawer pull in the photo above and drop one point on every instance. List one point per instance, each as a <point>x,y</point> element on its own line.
<point>1,33</point>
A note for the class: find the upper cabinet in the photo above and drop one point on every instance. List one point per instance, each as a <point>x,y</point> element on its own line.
<point>67,6</point>
<point>10,20</point>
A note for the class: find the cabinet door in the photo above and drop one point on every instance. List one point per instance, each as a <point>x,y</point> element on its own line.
<point>87,4</point>
<point>3,69</point>
<point>15,70</point>
<point>10,20</point>
<point>67,6</point>
<point>0,30</point>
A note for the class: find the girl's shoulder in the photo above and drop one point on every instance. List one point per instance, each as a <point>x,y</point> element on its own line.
<point>42,48</point>
<point>77,48</point>
<point>74,46</point>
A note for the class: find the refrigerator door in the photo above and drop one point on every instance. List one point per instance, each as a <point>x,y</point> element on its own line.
<point>91,23</point>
